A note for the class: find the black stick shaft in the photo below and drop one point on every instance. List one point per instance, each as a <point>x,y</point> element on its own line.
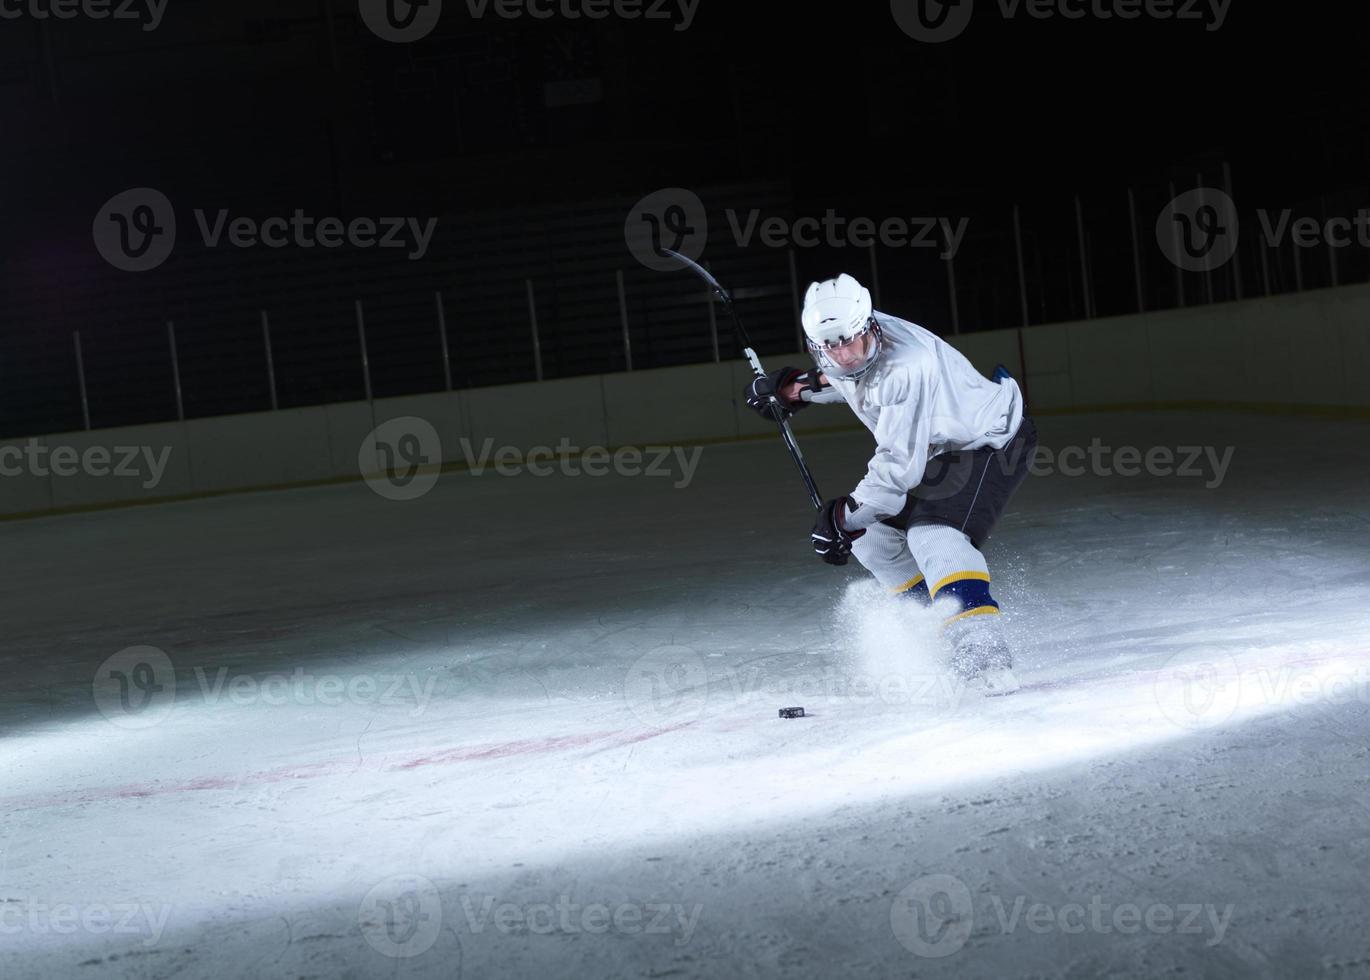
<point>745,342</point>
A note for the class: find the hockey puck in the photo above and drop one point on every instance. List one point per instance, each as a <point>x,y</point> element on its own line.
<point>791,712</point>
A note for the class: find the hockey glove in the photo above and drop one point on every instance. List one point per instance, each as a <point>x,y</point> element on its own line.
<point>759,390</point>
<point>831,540</point>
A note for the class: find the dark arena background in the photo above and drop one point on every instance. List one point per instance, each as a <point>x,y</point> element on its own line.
<point>408,574</point>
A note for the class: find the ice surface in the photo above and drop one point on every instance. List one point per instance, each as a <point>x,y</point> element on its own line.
<point>528,726</point>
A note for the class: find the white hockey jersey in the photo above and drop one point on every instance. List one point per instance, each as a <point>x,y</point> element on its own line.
<point>921,398</point>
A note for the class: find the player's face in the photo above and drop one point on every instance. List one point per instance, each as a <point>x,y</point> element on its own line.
<point>851,358</point>
<point>853,353</point>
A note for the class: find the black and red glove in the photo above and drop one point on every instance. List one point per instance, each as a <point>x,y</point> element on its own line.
<point>759,390</point>
<point>831,539</point>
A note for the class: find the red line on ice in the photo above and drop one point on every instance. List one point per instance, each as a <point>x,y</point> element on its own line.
<point>316,770</point>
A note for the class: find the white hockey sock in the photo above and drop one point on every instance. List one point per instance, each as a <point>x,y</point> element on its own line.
<point>953,568</point>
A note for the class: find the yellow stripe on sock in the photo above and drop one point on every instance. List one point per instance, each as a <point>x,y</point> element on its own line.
<point>907,585</point>
<point>959,577</point>
<point>977,611</point>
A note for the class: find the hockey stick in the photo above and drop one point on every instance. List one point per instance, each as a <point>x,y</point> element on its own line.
<point>745,342</point>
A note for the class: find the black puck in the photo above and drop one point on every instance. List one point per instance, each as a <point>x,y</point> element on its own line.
<point>791,712</point>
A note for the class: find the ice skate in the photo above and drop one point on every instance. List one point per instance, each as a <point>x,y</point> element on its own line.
<point>981,657</point>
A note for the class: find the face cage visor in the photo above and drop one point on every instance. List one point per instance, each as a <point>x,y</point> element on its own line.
<point>848,357</point>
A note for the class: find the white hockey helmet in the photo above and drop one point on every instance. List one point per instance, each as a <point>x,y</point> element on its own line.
<point>840,328</point>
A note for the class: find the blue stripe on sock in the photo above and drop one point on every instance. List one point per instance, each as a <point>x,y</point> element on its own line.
<point>972,593</point>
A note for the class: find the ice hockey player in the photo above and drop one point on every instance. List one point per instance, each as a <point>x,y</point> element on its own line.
<point>951,448</point>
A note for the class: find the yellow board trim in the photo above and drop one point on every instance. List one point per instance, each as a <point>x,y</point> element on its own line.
<point>907,585</point>
<point>977,611</point>
<point>959,577</point>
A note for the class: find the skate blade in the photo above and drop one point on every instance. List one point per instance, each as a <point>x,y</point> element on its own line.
<point>999,681</point>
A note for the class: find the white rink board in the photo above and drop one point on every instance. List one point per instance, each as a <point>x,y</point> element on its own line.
<point>1285,353</point>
